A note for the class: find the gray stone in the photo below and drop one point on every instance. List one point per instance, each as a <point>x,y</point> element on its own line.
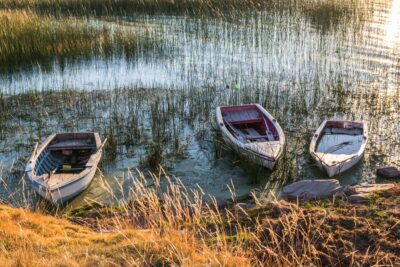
<point>312,189</point>
<point>371,188</point>
<point>360,193</point>
<point>359,197</point>
<point>388,173</point>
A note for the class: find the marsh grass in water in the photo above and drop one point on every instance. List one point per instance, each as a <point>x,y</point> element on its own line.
<point>27,38</point>
<point>328,14</point>
<point>322,12</point>
<point>107,7</point>
<point>143,126</point>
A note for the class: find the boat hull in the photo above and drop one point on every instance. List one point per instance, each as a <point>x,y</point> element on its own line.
<point>337,169</point>
<point>340,164</point>
<point>265,162</point>
<point>62,194</point>
<point>244,150</point>
<point>45,168</point>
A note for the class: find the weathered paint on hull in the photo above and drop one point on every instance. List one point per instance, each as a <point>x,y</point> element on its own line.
<point>340,168</point>
<point>63,194</point>
<point>269,164</point>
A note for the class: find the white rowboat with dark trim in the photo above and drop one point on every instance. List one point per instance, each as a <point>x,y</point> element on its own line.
<point>64,165</point>
<point>252,132</point>
<point>338,145</point>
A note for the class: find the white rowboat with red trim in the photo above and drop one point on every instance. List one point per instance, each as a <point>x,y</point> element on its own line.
<point>252,132</point>
<point>64,165</point>
<point>338,145</point>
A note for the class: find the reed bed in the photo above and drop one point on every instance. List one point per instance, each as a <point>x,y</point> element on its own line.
<point>320,11</point>
<point>107,7</point>
<point>27,38</point>
<point>159,126</point>
<point>329,14</point>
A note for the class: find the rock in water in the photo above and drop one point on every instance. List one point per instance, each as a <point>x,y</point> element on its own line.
<point>388,173</point>
<point>312,189</point>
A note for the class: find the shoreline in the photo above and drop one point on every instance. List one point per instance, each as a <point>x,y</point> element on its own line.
<point>316,232</point>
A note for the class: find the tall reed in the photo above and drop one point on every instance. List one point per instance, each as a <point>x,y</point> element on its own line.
<point>28,38</point>
<point>320,10</point>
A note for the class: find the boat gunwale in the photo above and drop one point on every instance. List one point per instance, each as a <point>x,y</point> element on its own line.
<point>96,156</point>
<point>241,145</point>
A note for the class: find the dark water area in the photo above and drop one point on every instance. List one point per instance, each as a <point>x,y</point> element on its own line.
<point>300,66</point>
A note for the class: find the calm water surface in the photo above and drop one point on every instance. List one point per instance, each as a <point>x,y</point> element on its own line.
<point>300,69</point>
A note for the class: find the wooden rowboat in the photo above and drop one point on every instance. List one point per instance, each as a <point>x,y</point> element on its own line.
<point>253,132</point>
<point>338,145</point>
<point>64,165</point>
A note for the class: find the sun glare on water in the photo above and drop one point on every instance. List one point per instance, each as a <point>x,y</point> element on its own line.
<point>393,24</point>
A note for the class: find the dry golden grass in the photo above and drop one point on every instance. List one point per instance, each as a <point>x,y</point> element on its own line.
<point>30,239</point>
<point>266,234</point>
<point>176,227</point>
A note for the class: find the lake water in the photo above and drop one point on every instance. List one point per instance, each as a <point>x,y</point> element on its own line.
<point>299,67</point>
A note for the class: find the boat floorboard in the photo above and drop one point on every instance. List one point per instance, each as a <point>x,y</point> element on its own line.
<point>339,144</point>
